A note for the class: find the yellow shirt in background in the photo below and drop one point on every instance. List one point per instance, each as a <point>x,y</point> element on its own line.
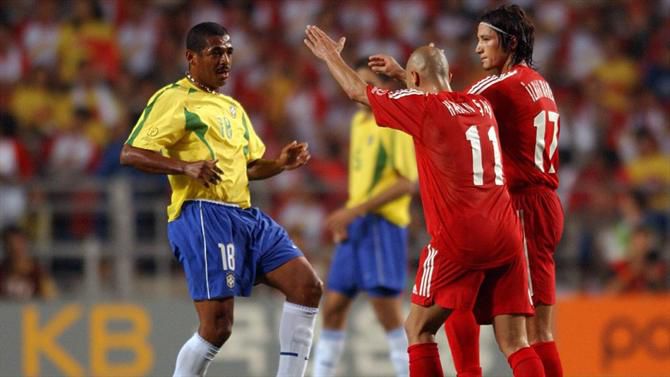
<point>377,156</point>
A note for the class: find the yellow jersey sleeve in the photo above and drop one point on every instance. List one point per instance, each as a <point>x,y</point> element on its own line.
<point>162,123</point>
<point>404,159</point>
<point>256,148</point>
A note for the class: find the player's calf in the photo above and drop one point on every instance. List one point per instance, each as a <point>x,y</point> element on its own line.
<point>194,357</point>
<point>510,332</point>
<point>296,331</point>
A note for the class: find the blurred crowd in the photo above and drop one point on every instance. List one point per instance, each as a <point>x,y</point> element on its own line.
<point>75,76</point>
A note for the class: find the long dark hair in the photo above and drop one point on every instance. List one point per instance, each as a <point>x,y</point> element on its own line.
<point>514,22</point>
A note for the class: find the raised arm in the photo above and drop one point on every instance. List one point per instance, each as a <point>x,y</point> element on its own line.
<point>326,49</point>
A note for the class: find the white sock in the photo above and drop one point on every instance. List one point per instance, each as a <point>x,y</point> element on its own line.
<point>296,330</point>
<point>194,357</point>
<point>328,353</point>
<point>398,351</point>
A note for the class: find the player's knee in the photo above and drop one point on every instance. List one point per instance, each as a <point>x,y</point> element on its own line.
<point>217,331</point>
<point>510,343</point>
<point>307,293</point>
<point>540,335</point>
<point>539,329</point>
<point>413,329</point>
<point>314,291</point>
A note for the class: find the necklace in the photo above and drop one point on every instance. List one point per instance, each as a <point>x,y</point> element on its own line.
<point>199,85</point>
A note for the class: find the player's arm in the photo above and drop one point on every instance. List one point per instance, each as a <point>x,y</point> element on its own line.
<point>338,221</point>
<point>387,66</point>
<point>326,49</point>
<point>292,156</point>
<point>402,186</point>
<point>150,161</point>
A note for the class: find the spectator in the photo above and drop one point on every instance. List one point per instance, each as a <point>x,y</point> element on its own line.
<point>21,276</point>
<point>643,270</point>
<point>137,38</point>
<point>71,153</point>
<point>87,35</point>
<point>41,33</point>
<point>93,94</point>
<point>16,167</point>
<point>650,171</point>
<point>11,60</point>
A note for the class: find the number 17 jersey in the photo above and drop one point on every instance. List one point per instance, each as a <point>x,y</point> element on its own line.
<point>529,126</point>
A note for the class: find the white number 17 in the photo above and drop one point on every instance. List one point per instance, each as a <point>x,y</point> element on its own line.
<point>540,123</point>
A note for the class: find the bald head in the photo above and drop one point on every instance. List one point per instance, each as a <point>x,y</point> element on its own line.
<point>430,65</point>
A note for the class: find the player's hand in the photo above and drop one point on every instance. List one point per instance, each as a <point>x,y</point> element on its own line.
<point>294,155</point>
<point>386,65</point>
<point>321,44</point>
<point>340,236</point>
<point>206,172</point>
<point>338,222</point>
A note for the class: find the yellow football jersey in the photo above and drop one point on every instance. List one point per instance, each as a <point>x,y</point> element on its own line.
<point>184,122</point>
<point>377,156</point>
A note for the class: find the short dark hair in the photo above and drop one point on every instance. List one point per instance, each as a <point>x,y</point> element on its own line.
<point>515,23</point>
<point>196,39</point>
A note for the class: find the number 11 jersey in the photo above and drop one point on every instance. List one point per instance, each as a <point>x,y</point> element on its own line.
<point>468,211</point>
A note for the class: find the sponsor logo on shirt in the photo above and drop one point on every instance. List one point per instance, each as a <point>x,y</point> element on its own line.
<point>233,111</point>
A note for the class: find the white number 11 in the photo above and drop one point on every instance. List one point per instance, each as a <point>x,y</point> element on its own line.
<point>472,135</point>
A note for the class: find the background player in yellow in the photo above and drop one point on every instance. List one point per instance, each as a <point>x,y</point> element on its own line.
<point>205,143</point>
<point>370,230</point>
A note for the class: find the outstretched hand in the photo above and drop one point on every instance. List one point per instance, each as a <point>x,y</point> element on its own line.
<point>294,155</point>
<point>386,65</point>
<point>321,44</point>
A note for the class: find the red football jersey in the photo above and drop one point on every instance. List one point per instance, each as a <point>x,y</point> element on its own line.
<point>529,125</point>
<point>467,207</point>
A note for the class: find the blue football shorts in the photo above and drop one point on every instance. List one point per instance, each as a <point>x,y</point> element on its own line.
<point>224,249</point>
<point>372,259</point>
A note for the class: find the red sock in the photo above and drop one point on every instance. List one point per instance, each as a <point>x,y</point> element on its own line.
<point>548,353</point>
<point>424,360</point>
<point>463,335</point>
<point>525,363</point>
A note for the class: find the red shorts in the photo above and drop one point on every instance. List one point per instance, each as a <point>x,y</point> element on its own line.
<point>542,224</point>
<point>485,292</point>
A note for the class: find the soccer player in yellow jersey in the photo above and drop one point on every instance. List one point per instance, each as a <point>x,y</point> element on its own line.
<point>205,143</point>
<point>371,254</point>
